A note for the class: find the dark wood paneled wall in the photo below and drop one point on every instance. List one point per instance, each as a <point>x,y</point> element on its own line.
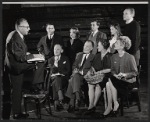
<point>66,16</point>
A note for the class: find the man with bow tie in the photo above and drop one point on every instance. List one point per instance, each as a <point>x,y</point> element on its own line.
<point>46,47</point>
<point>81,66</point>
<point>60,70</point>
<point>95,35</point>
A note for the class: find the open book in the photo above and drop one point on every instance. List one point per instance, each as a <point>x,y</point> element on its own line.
<point>37,57</point>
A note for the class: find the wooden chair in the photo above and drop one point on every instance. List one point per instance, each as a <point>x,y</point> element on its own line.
<point>39,98</point>
<point>134,92</point>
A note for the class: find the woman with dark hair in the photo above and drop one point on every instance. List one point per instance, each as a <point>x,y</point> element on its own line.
<point>115,31</point>
<point>74,45</point>
<point>123,73</point>
<point>101,64</point>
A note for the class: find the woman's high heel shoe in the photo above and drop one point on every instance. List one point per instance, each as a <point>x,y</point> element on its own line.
<point>89,111</point>
<point>114,113</point>
<point>105,116</point>
<point>102,116</point>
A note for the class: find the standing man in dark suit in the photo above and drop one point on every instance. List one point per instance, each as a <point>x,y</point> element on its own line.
<point>74,45</point>
<point>46,47</point>
<point>18,56</point>
<point>95,35</point>
<point>133,31</point>
<point>81,66</point>
<point>47,42</point>
<point>60,70</point>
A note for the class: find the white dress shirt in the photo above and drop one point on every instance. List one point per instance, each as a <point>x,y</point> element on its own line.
<point>20,35</point>
<point>84,56</point>
<point>93,33</point>
<point>50,36</point>
<point>71,41</point>
<point>56,58</point>
<point>87,55</point>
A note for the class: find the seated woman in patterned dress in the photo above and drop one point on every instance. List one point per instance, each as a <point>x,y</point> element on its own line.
<point>102,64</point>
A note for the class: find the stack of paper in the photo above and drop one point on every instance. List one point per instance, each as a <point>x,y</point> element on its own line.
<point>37,57</point>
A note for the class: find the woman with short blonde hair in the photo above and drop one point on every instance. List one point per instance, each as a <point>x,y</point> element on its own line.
<point>123,73</point>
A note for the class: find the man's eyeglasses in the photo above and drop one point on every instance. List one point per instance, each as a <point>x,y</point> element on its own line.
<point>25,27</point>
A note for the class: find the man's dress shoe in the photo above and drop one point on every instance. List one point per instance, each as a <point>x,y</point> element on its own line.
<point>20,116</point>
<point>71,109</point>
<point>90,111</point>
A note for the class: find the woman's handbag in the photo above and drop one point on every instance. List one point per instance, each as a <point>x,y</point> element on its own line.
<point>93,77</point>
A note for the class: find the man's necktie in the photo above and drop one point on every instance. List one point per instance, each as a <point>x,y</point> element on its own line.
<point>71,41</point>
<point>92,34</point>
<point>81,67</point>
<point>51,36</point>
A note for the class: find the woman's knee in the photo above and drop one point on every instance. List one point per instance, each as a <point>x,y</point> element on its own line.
<point>98,86</point>
<point>91,86</point>
<point>98,89</point>
<point>107,85</point>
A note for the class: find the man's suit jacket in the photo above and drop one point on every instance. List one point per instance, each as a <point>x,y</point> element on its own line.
<point>100,35</point>
<point>72,50</point>
<point>17,50</point>
<point>97,37</point>
<point>44,48</point>
<point>87,64</point>
<point>63,65</point>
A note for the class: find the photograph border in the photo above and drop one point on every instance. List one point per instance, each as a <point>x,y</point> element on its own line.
<point>74,2</point>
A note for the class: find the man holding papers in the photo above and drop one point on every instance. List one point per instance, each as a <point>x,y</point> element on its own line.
<point>60,70</point>
<point>17,57</point>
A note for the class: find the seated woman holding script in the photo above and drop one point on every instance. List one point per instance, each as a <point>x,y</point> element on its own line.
<point>60,70</point>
